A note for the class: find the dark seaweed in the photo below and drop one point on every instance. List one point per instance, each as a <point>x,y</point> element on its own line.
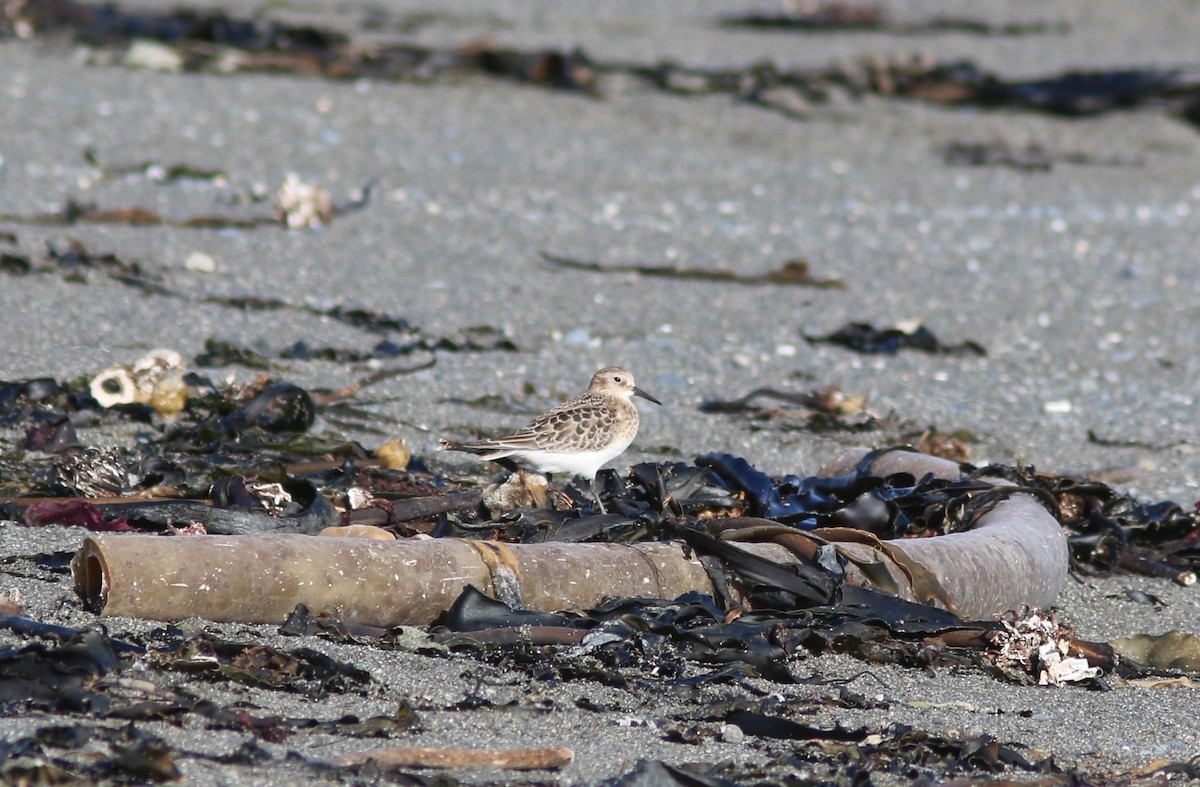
<point>865,338</point>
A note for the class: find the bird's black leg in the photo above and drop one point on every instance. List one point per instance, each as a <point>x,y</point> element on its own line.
<point>508,464</point>
<point>596,495</point>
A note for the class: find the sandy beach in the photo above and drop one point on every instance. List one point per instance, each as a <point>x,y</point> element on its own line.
<point>1077,278</point>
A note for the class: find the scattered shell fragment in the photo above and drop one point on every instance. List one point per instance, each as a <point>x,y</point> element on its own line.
<point>190,529</point>
<point>519,490</point>
<point>357,497</point>
<point>1058,668</point>
<point>11,602</point>
<point>301,205</point>
<point>394,454</point>
<point>153,56</point>
<point>200,262</point>
<point>88,472</point>
<point>271,496</point>
<point>1033,641</point>
<point>155,379</point>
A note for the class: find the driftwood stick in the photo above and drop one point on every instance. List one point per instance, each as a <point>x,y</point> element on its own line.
<point>1140,564</point>
<point>427,757</point>
<point>432,505</point>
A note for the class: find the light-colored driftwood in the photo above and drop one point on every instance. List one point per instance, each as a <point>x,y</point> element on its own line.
<point>261,578</point>
<point>427,757</point>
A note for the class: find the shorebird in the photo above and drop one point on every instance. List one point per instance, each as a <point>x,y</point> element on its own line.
<point>579,436</point>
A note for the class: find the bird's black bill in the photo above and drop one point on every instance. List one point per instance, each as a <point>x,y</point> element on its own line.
<point>639,392</point>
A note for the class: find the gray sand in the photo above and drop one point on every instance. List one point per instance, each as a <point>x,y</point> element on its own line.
<point>1080,282</point>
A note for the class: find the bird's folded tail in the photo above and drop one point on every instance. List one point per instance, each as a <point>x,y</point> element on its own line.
<point>483,449</point>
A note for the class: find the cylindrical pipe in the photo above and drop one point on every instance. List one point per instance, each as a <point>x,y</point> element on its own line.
<point>1016,555</point>
<point>261,579</point>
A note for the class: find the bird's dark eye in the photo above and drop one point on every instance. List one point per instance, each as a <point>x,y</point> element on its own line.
<point>617,378</point>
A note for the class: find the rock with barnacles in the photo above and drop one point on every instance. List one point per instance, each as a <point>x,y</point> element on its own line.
<point>88,472</point>
<point>1034,642</point>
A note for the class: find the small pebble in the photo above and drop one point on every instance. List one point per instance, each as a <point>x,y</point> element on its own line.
<point>200,262</point>
<point>731,733</point>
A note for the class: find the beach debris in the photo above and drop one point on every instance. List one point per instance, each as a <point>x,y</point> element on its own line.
<point>823,410</point>
<point>823,16</point>
<point>434,757</point>
<point>1172,650</point>
<point>170,481</point>
<point>955,445</point>
<point>760,594</point>
<point>792,272</point>
<point>1014,554</point>
<point>1110,442</point>
<point>301,670</point>
<point>73,212</point>
<point>154,171</point>
<point>298,205</point>
<point>105,687</point>
<point>301,205</point>
<point>50,433</point>
<point>1037,644</point>
<point>143,576</point>
<point>199,262</point>
<point>1032,157</point>
<point>11,602</point>
<point>208,40</point>
<point>394,455</point>
<point>59,674</point>
<point>520,490</point>
<point>155,379</point>
<point>75,262</point>
<point>88,472</point>
<point>712,572</point>
<point>865,338</point>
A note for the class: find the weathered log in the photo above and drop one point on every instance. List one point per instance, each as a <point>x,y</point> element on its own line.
<point>261,579</point>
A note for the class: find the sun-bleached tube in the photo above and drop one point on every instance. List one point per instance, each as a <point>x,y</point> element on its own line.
<point>261,578</point>
<point>1015,555</point>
